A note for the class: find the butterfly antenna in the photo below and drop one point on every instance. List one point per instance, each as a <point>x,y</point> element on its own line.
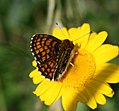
<point>60,29</point>
<point>83,36</point>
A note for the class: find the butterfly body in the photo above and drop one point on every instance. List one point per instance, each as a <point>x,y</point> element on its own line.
<point>52,55</point>
<point>64,58</point>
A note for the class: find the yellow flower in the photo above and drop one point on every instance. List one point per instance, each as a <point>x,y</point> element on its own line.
<point>86,81</point>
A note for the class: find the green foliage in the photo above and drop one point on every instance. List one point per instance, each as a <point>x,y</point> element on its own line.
<point>20,19</point>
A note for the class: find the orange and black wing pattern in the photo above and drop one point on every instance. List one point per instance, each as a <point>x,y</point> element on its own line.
<point>45,48</point>
<point>48,69</point>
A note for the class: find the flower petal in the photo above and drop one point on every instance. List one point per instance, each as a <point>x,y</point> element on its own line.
<point>95,40</point>
<point>108,73</point>
<point>83,35</point>
<point>82,96</point>
<point>34,73</point>
<point>34,63</point>
<point>37,77</point>
<point>74,33</point>
<point>60,33</point>
<point>101,87</point>
<point>86,96</point>
<point>91,101</point>
<point>52,94</point>
<point>42,87</point>
<point>69,99</point>
<point>98,96</point>
<point>104,53</point>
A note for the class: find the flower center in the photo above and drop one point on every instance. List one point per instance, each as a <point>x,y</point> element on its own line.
<point>82,71</point>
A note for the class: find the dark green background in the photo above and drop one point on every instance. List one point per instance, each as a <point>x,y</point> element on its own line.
<point>20,19</point>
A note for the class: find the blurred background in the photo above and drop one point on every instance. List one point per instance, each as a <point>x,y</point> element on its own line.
<point>20,19</point>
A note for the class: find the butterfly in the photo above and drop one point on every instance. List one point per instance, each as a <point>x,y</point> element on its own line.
<point>52,55</point>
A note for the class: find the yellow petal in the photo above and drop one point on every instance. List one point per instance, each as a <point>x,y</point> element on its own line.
<point>52,94</point>
<point>74,33</point>
<point>101,87</point>
<point>105,53</point>
<point>82,96</point>
<point>95,40</point>
<point>87,96</point>
<point>41,88</point>
<point>85,29</point>
<point>108,73</point>
<point>45,96</point>
<point>83,35</point>
<point>34,63</point>
<point>37,77</point>
<point>61,33</point>
<point>100,98</point>
<point>69,99</point>
<point>34,73</point>
<point>91,100</point>
<point>65,33</point>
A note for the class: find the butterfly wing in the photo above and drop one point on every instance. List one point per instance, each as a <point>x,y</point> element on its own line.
<point>48,69</point>
<point>45,48</point>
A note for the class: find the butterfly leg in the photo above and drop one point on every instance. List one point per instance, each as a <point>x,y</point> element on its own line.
<point>71,64</point>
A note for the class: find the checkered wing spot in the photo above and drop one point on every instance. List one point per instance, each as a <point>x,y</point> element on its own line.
<point>45,48</point>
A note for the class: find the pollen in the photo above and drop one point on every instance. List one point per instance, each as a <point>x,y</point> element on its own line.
<point>83,72</point>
